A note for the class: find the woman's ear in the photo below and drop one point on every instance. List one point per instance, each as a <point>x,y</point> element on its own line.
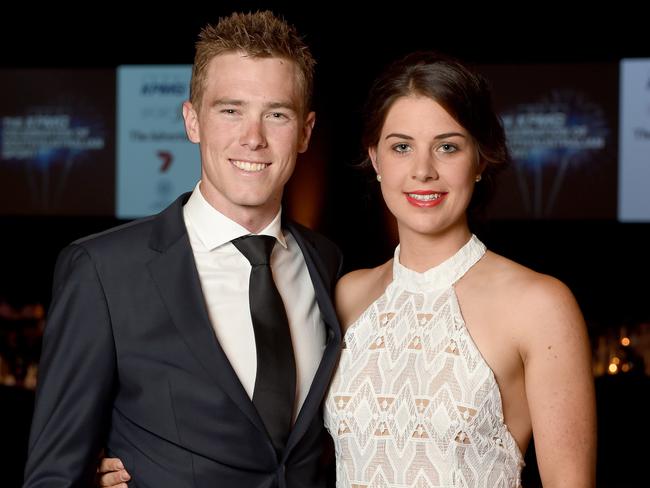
<point>372,154</point>
<point>482,164</point>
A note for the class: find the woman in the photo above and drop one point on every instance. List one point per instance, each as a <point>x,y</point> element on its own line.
<point>453,356</point>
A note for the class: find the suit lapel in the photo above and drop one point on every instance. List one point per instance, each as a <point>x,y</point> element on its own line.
<point>176,277</point>
<point>311,406</point>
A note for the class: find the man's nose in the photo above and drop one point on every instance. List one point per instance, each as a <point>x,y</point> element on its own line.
<point>252,135</point>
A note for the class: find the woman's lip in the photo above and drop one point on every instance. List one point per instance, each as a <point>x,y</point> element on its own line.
<point>425,203</point>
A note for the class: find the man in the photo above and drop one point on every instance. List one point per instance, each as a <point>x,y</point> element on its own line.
<point>154,348</point>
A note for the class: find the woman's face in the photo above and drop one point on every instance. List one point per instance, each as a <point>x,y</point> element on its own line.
<point>428,164</point>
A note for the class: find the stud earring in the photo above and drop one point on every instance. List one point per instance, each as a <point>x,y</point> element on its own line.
<point>478,178</point>
<point>378,177</point>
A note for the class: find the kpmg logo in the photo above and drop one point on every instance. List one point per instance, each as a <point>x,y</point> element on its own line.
<point>163,86</point>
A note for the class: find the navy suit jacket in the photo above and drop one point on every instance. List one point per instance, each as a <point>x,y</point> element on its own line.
<point>131,363</point>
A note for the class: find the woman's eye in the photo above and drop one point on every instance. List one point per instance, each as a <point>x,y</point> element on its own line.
<point>401,148</point>
<point>448,148</point>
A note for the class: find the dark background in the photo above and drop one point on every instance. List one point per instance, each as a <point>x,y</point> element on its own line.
<point>604,262</point>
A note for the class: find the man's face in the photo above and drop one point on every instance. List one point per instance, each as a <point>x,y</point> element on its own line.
<point>251,126</point>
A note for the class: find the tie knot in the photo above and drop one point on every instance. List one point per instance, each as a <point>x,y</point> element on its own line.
<point>257,249</point>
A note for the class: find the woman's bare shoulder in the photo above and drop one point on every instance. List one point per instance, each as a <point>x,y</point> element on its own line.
<point>512,279</point>
<point>356,290</point>
<point>536,305</point>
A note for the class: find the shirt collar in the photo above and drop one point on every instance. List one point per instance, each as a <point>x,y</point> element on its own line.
<point>214,229</point>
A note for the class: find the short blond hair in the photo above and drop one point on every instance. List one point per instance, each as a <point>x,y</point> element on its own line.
<point>260,34</point>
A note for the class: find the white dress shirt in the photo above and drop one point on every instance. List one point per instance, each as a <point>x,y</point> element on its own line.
<point>224,275</point>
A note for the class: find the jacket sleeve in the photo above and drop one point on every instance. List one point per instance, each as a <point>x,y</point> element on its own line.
<point>76,378</point>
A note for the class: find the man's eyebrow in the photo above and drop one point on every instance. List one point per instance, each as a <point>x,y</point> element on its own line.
<point>286,105</point>
<point>228,101</point>
<point>240,103</point>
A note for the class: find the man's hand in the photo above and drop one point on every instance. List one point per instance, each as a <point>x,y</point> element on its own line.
<point>111,473</point>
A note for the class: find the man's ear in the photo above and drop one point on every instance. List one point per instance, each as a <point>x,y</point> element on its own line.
<point>305,135</point>
<point>191,119</point>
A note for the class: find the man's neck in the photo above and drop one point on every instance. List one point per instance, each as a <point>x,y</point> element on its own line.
<point>253,218</point>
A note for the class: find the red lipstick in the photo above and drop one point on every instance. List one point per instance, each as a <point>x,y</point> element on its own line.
<point>425,203</point>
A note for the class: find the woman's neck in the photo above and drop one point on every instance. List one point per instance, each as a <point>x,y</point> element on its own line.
<point>421,252</point>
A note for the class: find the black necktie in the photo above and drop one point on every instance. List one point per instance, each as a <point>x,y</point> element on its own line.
<point>275,383</point>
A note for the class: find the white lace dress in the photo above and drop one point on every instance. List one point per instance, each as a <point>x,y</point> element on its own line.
<point>413,403</point>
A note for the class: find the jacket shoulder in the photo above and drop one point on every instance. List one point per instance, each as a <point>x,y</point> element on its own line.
<point>124,235</point>
<point>327,250</point>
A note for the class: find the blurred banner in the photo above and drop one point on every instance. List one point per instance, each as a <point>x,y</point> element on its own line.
<point>634,154</point>
<point>561,122</point>
<point>155,160</point>
<point>57,148</point>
